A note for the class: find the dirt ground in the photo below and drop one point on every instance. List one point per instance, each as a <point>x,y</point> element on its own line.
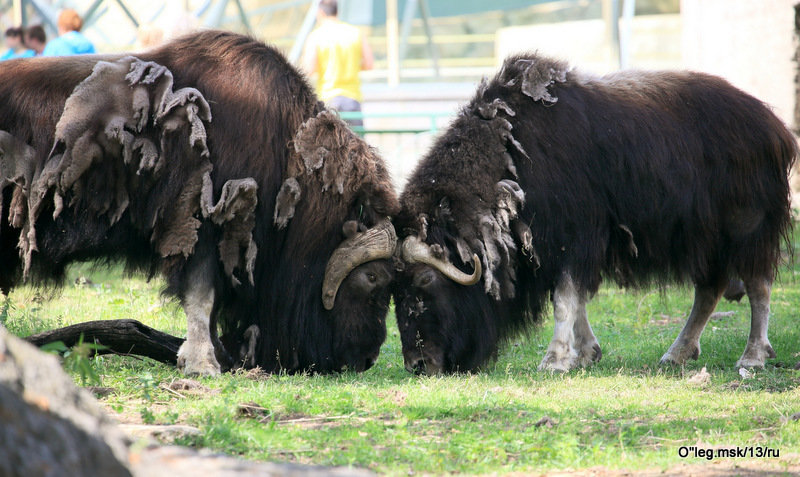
<point>785,465</point>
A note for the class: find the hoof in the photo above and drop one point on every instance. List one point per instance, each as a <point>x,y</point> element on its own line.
<point>678,355</point>
<point>755,356</point>
<point>590,353</point>
<point>198,361</point>
<point>669,361</point>
<point>551,363</point>
<point>598,353</point>
<point>750,363</point>
<point>554,368</point>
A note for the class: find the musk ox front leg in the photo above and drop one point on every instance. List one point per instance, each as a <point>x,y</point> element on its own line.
<point>687,344</point>
<point>573,342</point>
<point>758,348</point>
<point>196,355</point>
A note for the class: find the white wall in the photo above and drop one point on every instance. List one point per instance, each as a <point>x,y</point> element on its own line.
<point>655,43</point>
<point>749,42</point>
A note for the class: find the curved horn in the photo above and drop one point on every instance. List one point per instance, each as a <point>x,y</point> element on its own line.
<point>415,250</point>
<point>378,242</point>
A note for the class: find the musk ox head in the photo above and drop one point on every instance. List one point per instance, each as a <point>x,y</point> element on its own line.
<point>338,198</point>
<point>436,303</point>
<point>458,255</point>
<point>467,248</point>
<point>448,321</point>
<point>355,292</point>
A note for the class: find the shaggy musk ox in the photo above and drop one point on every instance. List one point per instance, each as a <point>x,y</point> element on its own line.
<point>550,180</point>
<point>211,161</point>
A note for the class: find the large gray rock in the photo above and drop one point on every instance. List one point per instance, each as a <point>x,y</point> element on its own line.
<point>49,426</point>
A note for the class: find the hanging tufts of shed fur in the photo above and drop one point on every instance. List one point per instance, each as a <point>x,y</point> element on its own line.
<point>235,211</point>
<point>125,129</point>
<point>17,168</point>
<point>493,230</point>
<point>534,76</point>
<point>330,163</point>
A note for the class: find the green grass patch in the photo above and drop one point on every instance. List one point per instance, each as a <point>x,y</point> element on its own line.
<point>622,413</point>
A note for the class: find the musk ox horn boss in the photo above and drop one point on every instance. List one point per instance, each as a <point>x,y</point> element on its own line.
<point>211,161</point>
<point>558,179</point>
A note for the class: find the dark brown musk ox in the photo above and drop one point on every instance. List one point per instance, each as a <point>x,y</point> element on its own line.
<point>551,180</point>
<point>208,160</point>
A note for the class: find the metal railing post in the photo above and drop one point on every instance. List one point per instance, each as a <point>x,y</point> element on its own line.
<point>305,29</point>
<point>426,16</point>
<point>392,55</point>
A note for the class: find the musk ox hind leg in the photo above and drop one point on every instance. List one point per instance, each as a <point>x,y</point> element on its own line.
<point>758,348</point>
<point>196,355</point>
<point>687,344</point>
<point>573,342</point>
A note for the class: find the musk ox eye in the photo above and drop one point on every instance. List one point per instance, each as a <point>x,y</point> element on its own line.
<point>424,279</point>
<point>369,278</point>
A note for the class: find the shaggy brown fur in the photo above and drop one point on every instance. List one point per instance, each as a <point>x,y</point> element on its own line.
<point>119,158</point>
<point>639,177</point>
<point>115,111</point>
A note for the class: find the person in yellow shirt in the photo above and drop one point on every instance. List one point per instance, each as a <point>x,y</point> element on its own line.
<point>337,52</point>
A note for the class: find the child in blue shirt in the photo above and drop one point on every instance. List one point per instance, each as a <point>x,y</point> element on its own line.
<point>16,46</point>
<point>70,41</point>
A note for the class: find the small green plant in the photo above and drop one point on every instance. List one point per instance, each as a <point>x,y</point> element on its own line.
<point>4,309</point>
<point>147,415</point>
<point>644,310</point>
<point>77,359</point>
<point>147,384</point>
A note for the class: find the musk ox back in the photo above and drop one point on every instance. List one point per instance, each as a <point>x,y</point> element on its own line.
<point>211,161</point>
<point>557,180</point>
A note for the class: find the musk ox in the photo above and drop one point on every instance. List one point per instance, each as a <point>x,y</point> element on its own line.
<point>209,160</point>
<point>550,180</point>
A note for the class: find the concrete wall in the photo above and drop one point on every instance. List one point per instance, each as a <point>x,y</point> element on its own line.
<point>752,44</point>
<point>655,43</point>
<point>749,42</point>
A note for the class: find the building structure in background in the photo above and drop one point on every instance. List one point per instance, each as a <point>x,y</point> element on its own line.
<point>441,48</point>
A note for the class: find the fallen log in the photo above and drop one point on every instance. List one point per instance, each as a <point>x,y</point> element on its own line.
<point>118,336</point>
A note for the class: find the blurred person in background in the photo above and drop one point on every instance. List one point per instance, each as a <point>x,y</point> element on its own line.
<point>337,52</point>
<point>36,39</point>
<point>15,41</point>
<point>70,41</point>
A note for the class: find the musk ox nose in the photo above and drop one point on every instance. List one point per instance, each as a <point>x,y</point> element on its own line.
<point>415,366</point>
<point>424,365</point>
<point>358,364</point>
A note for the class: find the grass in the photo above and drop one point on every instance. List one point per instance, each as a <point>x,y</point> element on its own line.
<point>622,413</point>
